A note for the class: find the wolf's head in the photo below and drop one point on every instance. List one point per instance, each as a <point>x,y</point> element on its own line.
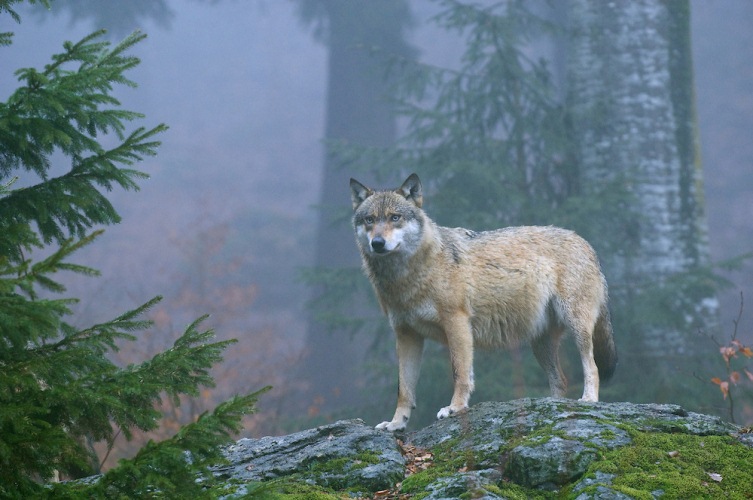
<point>388,222</point>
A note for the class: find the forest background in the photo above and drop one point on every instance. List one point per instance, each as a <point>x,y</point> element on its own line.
<point>229,218</point>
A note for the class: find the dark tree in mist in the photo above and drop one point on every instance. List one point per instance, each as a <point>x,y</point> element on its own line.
<point>362,36</point>
<point>118,18</point>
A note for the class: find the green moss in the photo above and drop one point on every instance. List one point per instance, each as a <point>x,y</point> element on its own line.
<point>647,466</point>
<point>447,457</point>
<point>293,490</point>
<point>417,483</point>
<point>538,437</point>
<point>643,467</point>
<point>335,473</point>
<point>345,464</point>
<point>658,425</point>
<point>513,491</point>
<point>448,460</point>
<point>607,434</point>
<point>416,486</point>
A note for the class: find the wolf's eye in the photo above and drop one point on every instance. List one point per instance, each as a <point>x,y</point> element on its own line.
<point>395,217</point>
<point>369,220</point>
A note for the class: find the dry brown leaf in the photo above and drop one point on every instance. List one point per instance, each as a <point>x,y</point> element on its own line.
<point>416,459</point>
<point>727,353</point>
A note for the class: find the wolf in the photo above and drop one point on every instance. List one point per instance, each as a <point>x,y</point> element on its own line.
<point>490,289</point>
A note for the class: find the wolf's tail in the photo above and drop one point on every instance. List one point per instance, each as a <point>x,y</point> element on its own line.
<point>605,352</point>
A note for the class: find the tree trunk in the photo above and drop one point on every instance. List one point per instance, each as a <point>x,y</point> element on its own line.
<point>358,113</point>
<point>634,124</point>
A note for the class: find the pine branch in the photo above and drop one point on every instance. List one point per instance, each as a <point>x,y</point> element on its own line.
<point>84,393</point>
<point>202,437</point>
<point>24,323</point>
<point>178,467</point>
<point>128,397</point>
<point>39,273</point>
<point>102,337</point>
<point>185,367</point>
<point>5,7</point>
<point>62,109</point>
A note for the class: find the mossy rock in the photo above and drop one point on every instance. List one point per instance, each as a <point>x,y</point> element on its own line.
<point>552,448</point>
<point>522,449</point>
<point>346,455</point>
<point>661,465</point>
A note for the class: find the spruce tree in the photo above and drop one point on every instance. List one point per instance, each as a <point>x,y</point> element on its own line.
<point>59,390</point>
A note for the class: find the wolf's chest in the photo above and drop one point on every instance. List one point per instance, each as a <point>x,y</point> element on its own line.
<point>422,317</point>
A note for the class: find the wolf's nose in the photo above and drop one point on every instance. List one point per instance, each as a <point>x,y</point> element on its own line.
<point>377,244</point>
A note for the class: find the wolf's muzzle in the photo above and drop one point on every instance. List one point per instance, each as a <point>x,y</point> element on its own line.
<point>378,244</point>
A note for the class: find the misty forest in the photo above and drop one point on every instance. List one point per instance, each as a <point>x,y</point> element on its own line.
<point>178,266</point>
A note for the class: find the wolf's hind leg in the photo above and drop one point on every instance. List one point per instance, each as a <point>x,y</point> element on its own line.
<point>583,333</point>
<point>546,349</point>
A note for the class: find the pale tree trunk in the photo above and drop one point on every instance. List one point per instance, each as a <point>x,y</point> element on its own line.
<point>633,117</point>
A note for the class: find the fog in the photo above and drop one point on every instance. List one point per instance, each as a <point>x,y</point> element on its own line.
<point>722,41</point>
<point>242,90</point>
<point>228,217</point>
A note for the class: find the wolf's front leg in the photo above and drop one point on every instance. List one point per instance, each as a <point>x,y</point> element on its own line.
<point>460,344</point>
<point>410,347</point>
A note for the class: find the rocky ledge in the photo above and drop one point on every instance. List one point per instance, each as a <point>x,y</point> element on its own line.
<point>527,448</point>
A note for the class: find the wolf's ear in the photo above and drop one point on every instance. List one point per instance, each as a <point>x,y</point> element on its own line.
<point>358,193</point>
<point>411,189</point>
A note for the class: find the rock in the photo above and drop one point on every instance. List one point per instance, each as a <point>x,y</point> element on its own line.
<point>548,443</point>
<point>463,483</point>
<point>550,463</point>
<point>602,483</point>
<point>514,449</point>
<point>343,455</point>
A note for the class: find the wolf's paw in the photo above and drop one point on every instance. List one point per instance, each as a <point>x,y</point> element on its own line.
<point>391,426</point>
<point>450,410</point>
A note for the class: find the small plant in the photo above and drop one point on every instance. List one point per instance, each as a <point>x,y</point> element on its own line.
<point>737,360</point>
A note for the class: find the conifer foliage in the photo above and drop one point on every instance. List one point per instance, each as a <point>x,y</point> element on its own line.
<point>59,391</point>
